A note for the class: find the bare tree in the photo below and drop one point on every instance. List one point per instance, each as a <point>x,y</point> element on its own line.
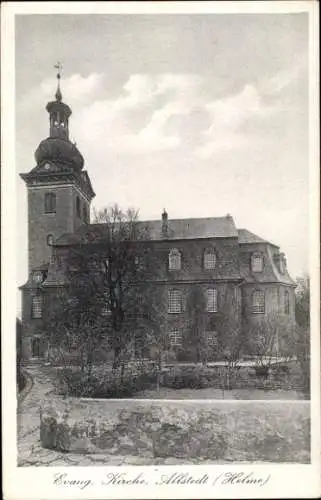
<point>110,299</point>
<point>196,323</point>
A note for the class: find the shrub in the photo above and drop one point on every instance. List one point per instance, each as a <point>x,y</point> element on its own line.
<point>75,383</point>
<point>261,371</point>
<point>195,377</point>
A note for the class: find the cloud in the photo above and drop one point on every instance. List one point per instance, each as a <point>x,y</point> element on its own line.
<point>151,100</point>
<point>228,116</point>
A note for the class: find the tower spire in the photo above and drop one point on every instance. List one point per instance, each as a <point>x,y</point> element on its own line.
<point>58,94</point>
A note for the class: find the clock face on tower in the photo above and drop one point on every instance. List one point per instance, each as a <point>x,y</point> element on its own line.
<point>37,276</point>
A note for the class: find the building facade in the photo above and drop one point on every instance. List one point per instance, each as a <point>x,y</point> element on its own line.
<point>239,275</point>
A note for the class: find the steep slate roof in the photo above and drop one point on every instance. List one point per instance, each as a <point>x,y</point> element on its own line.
<point>178,229</point>
<point>246,236</point>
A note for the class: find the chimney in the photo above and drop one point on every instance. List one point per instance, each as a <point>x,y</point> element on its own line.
<point>164,224</point>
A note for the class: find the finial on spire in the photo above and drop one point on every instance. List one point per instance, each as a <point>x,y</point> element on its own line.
<point>58,67</point>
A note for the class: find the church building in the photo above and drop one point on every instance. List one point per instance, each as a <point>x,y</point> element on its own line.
<point>238,271</point>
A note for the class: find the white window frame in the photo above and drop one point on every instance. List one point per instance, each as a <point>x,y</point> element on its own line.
<point>211,300</point>
<point>257,262</point>
<point>175,301</point>
<point>209,259</point>
<point>258,305</point>
<point>286,302</point>
<point>211,338</point>
<point>36,307</point>
<point>106,309</point>
<point>174,260</point>
<point>175,337</point>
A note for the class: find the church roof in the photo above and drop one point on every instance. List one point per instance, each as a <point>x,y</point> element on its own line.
<point>246,236</point>
<point>177,229</point>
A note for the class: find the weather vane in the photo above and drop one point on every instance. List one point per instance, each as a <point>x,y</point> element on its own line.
<point>58,66</point>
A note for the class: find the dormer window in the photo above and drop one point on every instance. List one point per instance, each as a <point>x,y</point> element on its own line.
<point>174,260</point>
<point>209,258</point>
<point>50,203</point>
<point>257,262</point>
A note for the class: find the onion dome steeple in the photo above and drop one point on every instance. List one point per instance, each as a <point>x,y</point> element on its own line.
<point>57,147</point>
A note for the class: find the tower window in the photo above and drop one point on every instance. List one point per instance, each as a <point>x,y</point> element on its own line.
<point>258,302</point>
<point>175,337</point>
<point>174,301</point>
<point>49,239</point>
<point>50,203</point>
<point>174,259</point>
<point>36,307</point>
<point>286,302</point>
<point>211,300</point>
<point>257,262</point>
<point>209,259</point>
<point>78,206</point>
<point>85,214</point>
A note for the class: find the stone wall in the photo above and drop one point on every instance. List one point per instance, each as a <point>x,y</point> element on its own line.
<point>225,431</point>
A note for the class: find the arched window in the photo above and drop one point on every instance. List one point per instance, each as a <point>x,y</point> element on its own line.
<point>35,347</point>
<point>78,206</point>
<point>175,337</point>
<point>174,259</point>
<point>49,239</point>
<point>286,302</point>
<point>209,258</point>
<point>50,203</point>
<point>211,300</point>
<point>36,307</point>
<point>257,262</point>
<point>258,302</point>
<point>174,301</point>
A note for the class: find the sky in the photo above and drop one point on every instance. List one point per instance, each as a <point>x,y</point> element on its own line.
<point>203,115</point>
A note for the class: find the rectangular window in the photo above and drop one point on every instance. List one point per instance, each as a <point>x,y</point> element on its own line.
<point>211,339</point>
<point>174,260</point>
<point>175,337</point>
<point>286,302</point>
<point>174,301</point>
<point>211,300</point>
<point>257,263</point>
<point>209,259</point>
<point>106,310</point>
<point>36,307</point>
<point>50,203</point>
<point>258,302</point>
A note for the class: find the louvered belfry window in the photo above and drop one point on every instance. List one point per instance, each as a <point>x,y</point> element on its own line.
<point>36,307</point>
<point>50,203</point>
<point>286,302</point>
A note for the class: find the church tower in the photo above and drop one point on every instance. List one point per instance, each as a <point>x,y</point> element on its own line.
<point>59,190</point>
<point>59,198</point>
